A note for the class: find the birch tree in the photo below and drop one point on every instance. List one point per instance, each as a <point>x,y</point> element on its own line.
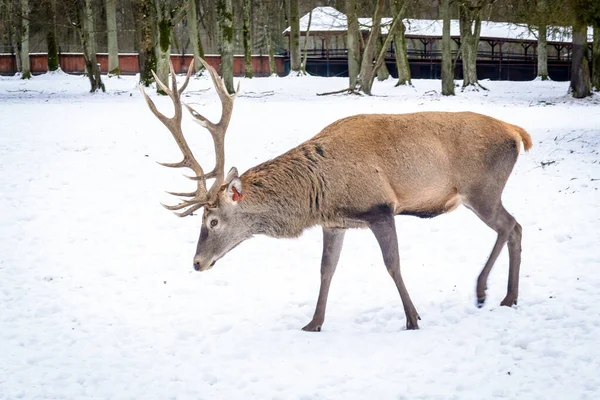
<point>111,30</point>
<point>447,64</point>
<point>225,21</point>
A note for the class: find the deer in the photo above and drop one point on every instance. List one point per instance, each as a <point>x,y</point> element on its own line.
<point>359,172</point>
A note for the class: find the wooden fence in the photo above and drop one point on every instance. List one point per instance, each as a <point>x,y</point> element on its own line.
<point>73,63</point>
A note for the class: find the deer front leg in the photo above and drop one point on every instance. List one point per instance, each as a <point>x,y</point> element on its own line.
<point>384,229</point>
<point>333,239</point>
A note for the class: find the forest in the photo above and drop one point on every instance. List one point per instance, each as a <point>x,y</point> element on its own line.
<point>155,29</point>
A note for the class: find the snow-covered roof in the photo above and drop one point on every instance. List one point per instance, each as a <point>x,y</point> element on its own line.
<point>328,19</point>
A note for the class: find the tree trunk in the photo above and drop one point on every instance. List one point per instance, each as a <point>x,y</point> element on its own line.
<point>247,40</point>
<point>52,46</point>
<point>542,45</point>
<point>596,59</point>
<point>366,77</point>
<point>225,17</point>
<point>294,37</point>
<point>580,72</point>
<point>353,42</point>
<point>271,48</point>
<point>470,28</point>
<point>111,30</point>
<point>24,53</point>
<point>306,36</point>
<point>145,13</point>
<point>192,20</point>
<point>88,40</point>
<point>402,65</point>
<point>382,72</point>
<point>447,64</point>
<point>163,50</point>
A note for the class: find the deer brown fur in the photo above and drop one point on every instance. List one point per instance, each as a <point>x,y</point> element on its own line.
<point>359,172</point>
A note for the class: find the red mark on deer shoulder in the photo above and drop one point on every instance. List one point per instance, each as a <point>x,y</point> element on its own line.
<point>236,195</point>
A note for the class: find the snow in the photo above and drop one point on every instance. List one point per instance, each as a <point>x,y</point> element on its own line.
<point>328,19</point>
<point>98,298</point>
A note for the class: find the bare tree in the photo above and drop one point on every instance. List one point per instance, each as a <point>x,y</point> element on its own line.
<point>353,42</point>
<point>596,58</point>
<point>402,65</point>
<point>295,60</point>
<point>145,13</point>
<point>542,44</point>
<point>113,46</point>
<point>581,85</point>
<point>247,39</point>
<point>196,41</point>
<point>366,68</point>
<point>470,30</point>
<point>24,36</point>
<point>447,64</point>
<point>84,23</point>
<point>382,72</point>
<point>51,44</point>
<point>225,18</point>
<point>306,36</point>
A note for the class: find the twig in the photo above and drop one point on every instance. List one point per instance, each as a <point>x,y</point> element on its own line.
<point>348,90</point>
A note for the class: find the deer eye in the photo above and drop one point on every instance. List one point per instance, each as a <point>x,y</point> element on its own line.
<point>214,223</point>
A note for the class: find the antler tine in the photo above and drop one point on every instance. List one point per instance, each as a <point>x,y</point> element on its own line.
<point>199,196</point>
<point>217,130</point>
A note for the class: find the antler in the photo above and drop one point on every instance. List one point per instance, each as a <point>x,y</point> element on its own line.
<point>200,196</point>
<point>217,130</point>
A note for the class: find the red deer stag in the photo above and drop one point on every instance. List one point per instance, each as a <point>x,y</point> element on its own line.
<point>358,172</point>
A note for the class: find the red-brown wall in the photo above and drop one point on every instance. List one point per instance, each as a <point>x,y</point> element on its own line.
<point>128,63</point>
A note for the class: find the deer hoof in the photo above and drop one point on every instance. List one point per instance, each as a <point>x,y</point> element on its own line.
<point>508,302</point>
<point>312,328</point>
<point>412,324</point>
<point>480,302</point>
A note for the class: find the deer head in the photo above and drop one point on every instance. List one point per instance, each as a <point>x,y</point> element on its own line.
<point>221,230</point>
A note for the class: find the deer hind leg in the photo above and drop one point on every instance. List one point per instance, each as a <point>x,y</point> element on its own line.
<point>333,239</point>
<point>384,230</point>
<point>509,230</point>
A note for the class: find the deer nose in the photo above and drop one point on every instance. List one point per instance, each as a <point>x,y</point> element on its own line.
<point>202,265</point>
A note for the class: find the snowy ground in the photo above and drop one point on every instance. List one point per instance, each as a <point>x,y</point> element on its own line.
<point>98,298</point>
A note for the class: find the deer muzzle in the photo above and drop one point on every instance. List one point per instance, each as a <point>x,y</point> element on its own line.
<point>201,264</point>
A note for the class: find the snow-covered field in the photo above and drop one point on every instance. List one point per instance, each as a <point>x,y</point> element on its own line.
<point>98,299</point>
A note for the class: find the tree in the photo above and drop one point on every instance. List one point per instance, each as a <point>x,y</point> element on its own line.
<point>51,44</point>
<point>367,68</point>
<point>402,65</point>
<point>24,36</point>
<point>294,37</point>
<point>596,58</point>
<point>306,36</point>
<point>580,73</point>
<point>353,42</point>
<point>542,45</point>
<point>470,29</point>
<point>225,18</point>
<point>168,15</point>
<point>84,24</point>
<point>192,24</point>
<point>113,46</point>
<point>144,17</point>
<point>447,64</point>
<point>247,39</point>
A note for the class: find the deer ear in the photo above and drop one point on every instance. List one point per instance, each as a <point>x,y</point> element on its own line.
<point>234,185</point>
